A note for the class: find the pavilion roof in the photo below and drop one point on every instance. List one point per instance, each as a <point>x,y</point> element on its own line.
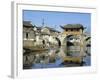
<point>72,26</point>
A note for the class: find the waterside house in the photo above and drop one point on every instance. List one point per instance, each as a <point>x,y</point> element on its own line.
<point>34,36</point>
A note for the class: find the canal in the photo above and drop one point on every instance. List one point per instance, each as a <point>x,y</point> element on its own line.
<point>50,58</point>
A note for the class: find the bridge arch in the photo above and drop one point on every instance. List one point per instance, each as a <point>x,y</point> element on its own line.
<point>58,40</point>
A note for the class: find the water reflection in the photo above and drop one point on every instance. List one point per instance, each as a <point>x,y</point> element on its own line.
<point>50,58</point>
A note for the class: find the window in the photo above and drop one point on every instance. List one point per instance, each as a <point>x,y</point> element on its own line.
<point>26,35</point>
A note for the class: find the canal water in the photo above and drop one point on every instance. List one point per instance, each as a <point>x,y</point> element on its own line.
<point>49,59</point>
<point>58,63</point>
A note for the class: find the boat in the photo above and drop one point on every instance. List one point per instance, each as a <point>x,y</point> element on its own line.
<point>32,48</point>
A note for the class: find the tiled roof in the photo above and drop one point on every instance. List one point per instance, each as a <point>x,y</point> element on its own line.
<point>73,26</point>
<point>52,29</point>
<point>27,24</point>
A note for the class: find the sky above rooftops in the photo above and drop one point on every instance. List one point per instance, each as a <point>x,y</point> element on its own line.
<point>55,19</point>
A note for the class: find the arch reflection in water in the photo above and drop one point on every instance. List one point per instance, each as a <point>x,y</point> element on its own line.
<point>51,58</point>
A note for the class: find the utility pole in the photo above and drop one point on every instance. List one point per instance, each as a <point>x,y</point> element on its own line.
<point>43,22</point>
